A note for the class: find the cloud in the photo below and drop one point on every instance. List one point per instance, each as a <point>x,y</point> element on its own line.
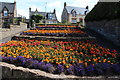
<point>29,0</point>
<point>84,3</point>
<point>58,14</point>
<point>23,12</point>
<point>23,5</point>
<point>109,0</point>
<point>34,7</point>
<point>56,4</point>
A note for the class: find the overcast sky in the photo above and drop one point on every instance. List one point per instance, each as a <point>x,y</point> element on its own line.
<point>23,5</point>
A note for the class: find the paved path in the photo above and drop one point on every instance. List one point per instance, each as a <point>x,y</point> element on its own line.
<point>6,34</point>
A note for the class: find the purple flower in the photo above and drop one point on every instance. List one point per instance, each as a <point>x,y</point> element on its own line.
<point>6,59</point>
<point>79,69</point>
<point>12,60</point>
<point>35,64</point>
<point>49,67</point>
<point>115,68</point>
<point>28,63</point>
<point>103,66</point>
<point>20,60</point>
<point>90,70</point>
<point>70,70</point>
<point>60,68</point>
<point>41,65</point>
<point>98,71</point>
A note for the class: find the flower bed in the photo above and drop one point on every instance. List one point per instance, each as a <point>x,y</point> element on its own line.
<point>75,57</point>
<point>54,26</point>
<point>73,32</point>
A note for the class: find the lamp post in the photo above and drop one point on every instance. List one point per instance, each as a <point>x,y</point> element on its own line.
<point>45,13</point>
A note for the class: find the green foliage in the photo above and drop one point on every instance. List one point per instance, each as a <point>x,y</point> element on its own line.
<point>65,21</point>
<point>104,11</point>
<point>36,18</point>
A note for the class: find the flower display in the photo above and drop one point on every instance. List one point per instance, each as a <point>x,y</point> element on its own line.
<point>60,52</point>
<point>75,69</point>
<point>79,58</point>
<point>73,32</point>
<point>53,26</point>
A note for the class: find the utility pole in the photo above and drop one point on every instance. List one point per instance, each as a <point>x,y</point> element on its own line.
<point>45,13</point>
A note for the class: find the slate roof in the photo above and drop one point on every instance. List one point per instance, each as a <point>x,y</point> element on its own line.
<point>44,14</point>
<point>77,9</point>
<point>9,6</point>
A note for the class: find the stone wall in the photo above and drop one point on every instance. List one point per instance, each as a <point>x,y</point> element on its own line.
<point>0,20</point>
<point>12,72</point>
<point>109,29</point>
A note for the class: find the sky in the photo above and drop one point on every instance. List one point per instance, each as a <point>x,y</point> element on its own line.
<point>23,5</point>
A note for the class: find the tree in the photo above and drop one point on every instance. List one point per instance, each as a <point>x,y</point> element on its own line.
<point>36,18</point>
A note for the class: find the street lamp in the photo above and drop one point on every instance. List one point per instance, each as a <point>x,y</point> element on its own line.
<point>45,13</point>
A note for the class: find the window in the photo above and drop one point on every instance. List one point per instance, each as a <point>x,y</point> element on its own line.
<point>74,20</point>
<point>50,22</point>
<point>50,16</point>
<point>74,14</point>
<point>81,20</point>
<point>5,13</point>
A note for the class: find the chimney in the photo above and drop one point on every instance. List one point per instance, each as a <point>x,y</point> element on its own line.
<point>30,9</point>
<point>54,11</point>
<point>65,4</point>
<point>15,9</point>
<point>87,7</point>
<point>15,1</point>
<point>36,10</point>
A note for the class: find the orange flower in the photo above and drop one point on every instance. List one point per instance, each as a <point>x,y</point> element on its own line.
<point>109,61</point>
<point>81,53</point>
<point>85,63</point>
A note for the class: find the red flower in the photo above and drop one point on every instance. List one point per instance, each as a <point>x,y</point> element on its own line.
<point>114,51</point>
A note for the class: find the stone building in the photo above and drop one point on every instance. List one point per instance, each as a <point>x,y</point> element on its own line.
<point>7,12</point>
<point>74,14</point>
<point>50,17</point>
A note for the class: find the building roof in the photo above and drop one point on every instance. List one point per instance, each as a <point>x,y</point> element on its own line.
<point>44,14</point>
<point>77,9</point>
<point>9,6</point>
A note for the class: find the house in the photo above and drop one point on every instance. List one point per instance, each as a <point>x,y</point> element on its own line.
<point>74,14</point>
<point>49,17</point>
<point>7,12</point>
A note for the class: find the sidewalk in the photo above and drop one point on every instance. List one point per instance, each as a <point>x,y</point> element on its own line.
<point>6,34</point>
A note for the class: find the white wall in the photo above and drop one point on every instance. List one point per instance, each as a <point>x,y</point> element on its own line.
<point>77,17</point>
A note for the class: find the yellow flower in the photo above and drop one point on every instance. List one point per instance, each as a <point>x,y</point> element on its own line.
<point>67,66</point>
